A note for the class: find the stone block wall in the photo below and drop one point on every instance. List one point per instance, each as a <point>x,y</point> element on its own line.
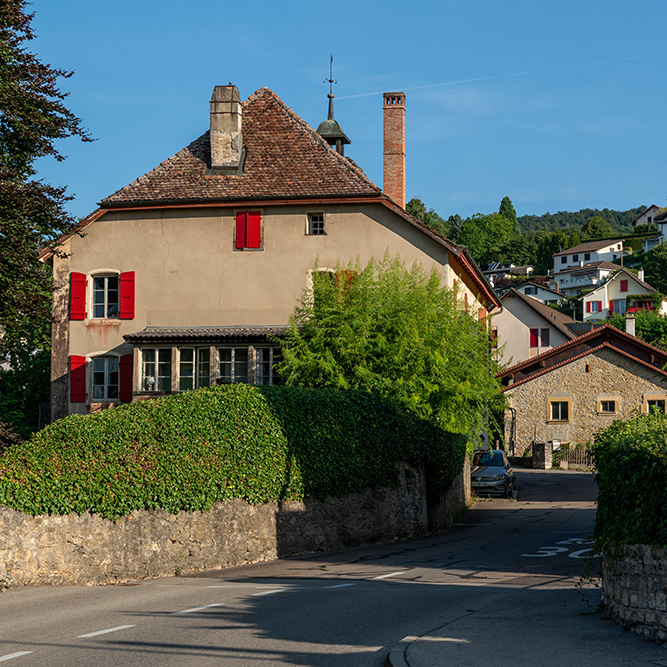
<point>86,549</point>
<point>604,374</point>
<point>634,588</point>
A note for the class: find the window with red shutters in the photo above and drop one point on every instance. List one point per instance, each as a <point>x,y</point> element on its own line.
<point>127,295</point>
<point>534,337</point>
<point>125,372</point>
<point>624,285</point>
<point>588,306</point>
<point>248,230</point>
<point>77,379</point>
<point>77,293</point>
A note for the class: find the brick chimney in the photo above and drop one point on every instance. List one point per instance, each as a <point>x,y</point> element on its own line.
<point>393,108</point>
<point>226,130</point>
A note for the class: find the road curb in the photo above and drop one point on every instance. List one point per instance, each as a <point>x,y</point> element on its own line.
<point>396,657</point>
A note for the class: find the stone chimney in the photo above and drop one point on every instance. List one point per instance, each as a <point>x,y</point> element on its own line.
<point>226,130</point>
<point>394,146</point>
<point>630,324</point>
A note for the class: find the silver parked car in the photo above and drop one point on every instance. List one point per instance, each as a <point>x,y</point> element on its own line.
<point>492,473</point>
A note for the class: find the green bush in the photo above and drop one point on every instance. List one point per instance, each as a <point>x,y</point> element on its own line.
<point>189,451</point>
<point>631,466</point>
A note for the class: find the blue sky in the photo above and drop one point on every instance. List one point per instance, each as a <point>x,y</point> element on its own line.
<point>558,105</point>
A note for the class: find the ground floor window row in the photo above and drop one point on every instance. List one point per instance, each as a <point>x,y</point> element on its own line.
<point>168,369</point>
<point>559,409</point>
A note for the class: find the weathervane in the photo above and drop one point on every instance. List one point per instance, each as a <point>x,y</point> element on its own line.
<point>330,80</point>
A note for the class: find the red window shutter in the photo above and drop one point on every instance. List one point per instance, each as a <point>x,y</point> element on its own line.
<point>611,307</point>
<point>127,295</point>
<point>624,285</point>
<point>534,336</point>
<point>125,377</point>
<point>481,314</point>
<point>599,306</point>
<point>77,296</point>
<point>588,306</point>
<point>77,379</point>
<point>241,219</point>
<point>254,230</point>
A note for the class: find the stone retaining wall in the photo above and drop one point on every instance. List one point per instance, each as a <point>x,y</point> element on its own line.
<point>86,549</point>
<point>634,588</point>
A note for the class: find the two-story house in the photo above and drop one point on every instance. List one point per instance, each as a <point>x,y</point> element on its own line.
<point>622,292</point>
<point>182,278</point>
<point>525,328</point>
<point>585,266</point>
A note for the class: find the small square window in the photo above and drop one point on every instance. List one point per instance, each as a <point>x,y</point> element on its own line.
<point>587,257</point>
<point>563,259</point>
<point>315,224</point>
<point>608,406</point>
<point>575,258</point>
<point>559,411</point>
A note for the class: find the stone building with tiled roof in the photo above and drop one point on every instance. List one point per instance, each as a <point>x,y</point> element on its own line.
<point>570,392</point>
<point>183,277</point>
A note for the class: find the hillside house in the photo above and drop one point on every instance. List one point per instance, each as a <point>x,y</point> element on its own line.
<point>525,328</point>
<point>184,276</point>
<point>622,292</point>
<point>570,392</point>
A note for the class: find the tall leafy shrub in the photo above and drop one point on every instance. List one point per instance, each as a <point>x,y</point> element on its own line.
<point>400,333</point>
<point>631,467</point>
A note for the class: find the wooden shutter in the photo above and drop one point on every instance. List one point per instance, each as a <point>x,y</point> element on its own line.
<point>611,307</point>
<point>241,219</point>
<point>588,306</point>
<point>77,379</point>
<point>77,296</point>
<point>254,230</point>
<point>125,377</point>
<point>534,336</point>
<point>599,306</point>
<point>624,285</point>
<point>127,295</point>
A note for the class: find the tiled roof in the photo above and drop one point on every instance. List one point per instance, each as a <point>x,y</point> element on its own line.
<point>596,338</point>
<point>203,334</point>
<point>285,158</point>
<point>591,266</point>
<point>591,350</point>
<point>551,315</point>
<point>589,246</point>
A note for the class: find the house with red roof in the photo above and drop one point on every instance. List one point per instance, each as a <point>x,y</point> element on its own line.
<point>570,392</point>
<point>182,278</point>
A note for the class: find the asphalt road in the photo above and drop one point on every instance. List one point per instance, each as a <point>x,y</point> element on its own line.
<point>344,608</point>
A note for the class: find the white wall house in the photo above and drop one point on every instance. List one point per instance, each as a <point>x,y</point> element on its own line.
<point>574,280</point>
<point>623,292</point>
<point>525,328</point>
<point>539,292</point>
<point>587,253</point>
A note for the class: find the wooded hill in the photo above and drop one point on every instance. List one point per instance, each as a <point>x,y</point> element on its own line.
<point>555,222</point>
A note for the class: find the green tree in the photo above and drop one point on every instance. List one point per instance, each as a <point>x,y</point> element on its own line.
<point>486,236</point>
<point>32,214</point>
<point>507,211</point>
<point>596,227</point>
<point>396,332</point>
<point>430,218</point>
<point>655,267</point>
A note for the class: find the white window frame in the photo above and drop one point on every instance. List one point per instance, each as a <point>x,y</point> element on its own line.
<point>260,363</point>
<point>559,401</point>
<point>233,364</point>
<point>158,365</point>
<point>201,359</point>
<point>108,368</point>
<point>104,275</point>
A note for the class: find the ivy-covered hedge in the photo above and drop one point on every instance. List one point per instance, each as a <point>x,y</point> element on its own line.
<point>631,465</point>
<point>191,450</point>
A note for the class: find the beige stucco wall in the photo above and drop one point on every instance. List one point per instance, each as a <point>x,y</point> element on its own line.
<point>601,375</point>
<point>514,323</point>
<point>189,274</point>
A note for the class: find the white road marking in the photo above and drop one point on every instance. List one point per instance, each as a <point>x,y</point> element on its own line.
<point>273,590</point>
<point>578,554</point>
<point>104,632</point>
<point>391,574</point>
<point>11,656</point>
<point>194,609</point>
<point>339,586</point>
<point>545,552</point>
